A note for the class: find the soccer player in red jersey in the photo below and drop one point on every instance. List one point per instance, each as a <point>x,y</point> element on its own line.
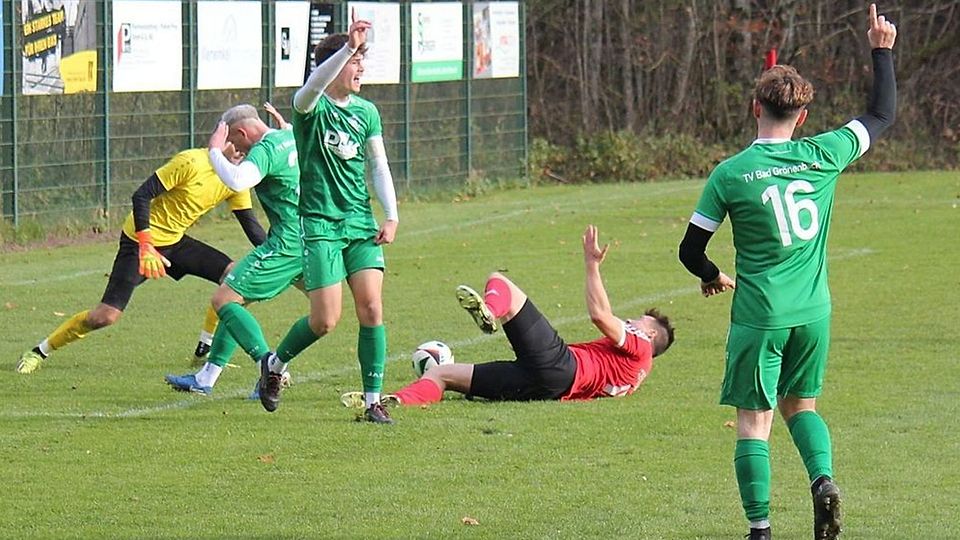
<point>546,368</point>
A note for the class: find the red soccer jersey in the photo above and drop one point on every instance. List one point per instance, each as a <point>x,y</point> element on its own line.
<point>608,369</point>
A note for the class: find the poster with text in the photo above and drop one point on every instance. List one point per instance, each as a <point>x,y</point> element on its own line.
<point>496,40</point>
<point>147,45</point>
<point>321,26</point>
<point>382,63</point>
<point>59,46</point>
<point>290,42</point>
<point>436,41</point>
<point>229,45</point>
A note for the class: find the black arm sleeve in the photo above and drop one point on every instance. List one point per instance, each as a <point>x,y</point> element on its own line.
<point>693,254</point>
<point>251,227</point>
<point>141,201</point>
<point>882,107</point>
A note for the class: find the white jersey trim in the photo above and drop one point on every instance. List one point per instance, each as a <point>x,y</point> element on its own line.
<point>704,222</point>
<point>630,328</point>
<point>863,136</point>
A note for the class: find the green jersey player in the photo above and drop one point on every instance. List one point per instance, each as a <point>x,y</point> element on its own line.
<point>338,135</point>
<point>778,194</point>
<point>271,166</point>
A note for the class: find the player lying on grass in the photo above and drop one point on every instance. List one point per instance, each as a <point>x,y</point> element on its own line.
<point>546,368</point>
<point>779,195</point>
<point>272,267</point>
<point>154,244</point>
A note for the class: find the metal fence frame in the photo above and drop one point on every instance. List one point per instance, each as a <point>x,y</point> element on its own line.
<point>79,157</point>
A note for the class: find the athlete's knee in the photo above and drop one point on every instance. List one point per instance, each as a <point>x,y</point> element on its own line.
<point>101,317</point>
<point>224,296</point>
<point>322,325</point>
<point>370,312</point>
<point>791,405</point>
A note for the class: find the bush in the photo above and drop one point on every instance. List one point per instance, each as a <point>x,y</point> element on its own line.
<point>623,156</point>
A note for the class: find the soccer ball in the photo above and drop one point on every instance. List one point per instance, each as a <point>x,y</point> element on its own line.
<point>430,354</point>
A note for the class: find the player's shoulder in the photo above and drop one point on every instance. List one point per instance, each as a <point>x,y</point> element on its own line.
<point>197,156</point>
<point>185,163</point>
<point>363,104</point>
<point>275,138</point>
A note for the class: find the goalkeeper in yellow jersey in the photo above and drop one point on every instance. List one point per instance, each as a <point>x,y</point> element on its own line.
<point>153,244</point>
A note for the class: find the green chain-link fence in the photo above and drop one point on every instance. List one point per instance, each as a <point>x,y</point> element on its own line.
<point>77,158</point>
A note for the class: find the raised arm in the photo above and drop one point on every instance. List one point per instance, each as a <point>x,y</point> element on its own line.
<point>882,105</point>
<point>306,97</point>
<point>236,177</point>
<point>598,305</point>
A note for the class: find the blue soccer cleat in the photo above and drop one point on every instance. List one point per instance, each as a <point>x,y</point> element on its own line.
<point>188,383</point>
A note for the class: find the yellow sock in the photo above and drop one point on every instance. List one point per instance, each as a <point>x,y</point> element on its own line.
<point>71,330</point>
<point>209,324</point>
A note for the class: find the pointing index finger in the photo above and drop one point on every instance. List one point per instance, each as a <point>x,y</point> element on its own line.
<point>873,16</point>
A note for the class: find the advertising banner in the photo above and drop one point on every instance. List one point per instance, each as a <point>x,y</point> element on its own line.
<point>290,42</point>
<point>436,44</point>
<point>496,40</point>
<point>321,26</point>
<point>147,46</point>
<point>229,45</point>
<point>382,64</point>
<point>59,46</point>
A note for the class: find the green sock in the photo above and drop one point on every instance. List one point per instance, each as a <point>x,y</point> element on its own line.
<point>812,438</point>
<point>372,351</point>
<point>222,347</point>
<point>244,328</point>
<point>298,338</point>
<point>752,463</point>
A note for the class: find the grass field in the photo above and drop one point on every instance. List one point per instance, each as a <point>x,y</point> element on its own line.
<point>96,446</point>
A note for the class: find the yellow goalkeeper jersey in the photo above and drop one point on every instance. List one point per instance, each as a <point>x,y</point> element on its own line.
<point>193,189</point>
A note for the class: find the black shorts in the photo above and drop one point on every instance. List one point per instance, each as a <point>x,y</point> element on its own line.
<point>189,256</point>
<point>544,369</point>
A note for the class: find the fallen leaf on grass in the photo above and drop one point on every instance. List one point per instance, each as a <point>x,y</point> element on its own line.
<point>467,520</point>
<point>59,313</point>
<point>9,305</point>
<point>266,458</point>
<point>729,424</point>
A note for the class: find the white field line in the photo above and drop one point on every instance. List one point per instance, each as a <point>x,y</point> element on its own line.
<point>319,376</point>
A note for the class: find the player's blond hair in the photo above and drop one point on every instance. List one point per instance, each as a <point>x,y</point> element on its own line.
<point>783,92</point>
<point>240,114</point>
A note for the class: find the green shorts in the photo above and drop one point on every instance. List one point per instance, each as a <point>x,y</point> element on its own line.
<point>335,250</point>
<point>264,273</point>
<point>765,363</point>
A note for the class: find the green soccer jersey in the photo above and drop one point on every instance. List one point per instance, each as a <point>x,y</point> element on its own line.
<point>332,143</point>
<point>275,155</point>
<point>779,196</point>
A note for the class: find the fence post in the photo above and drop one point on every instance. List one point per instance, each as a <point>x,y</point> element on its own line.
<point>468,81</point>
<point>107,62</point>
<point>523,84</point>
<point>405,40</point>
<point>191,69</point>
<point>14,102</point>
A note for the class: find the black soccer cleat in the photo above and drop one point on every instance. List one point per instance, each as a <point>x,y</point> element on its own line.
<point>826,509</point>
<point>270,384</point>
<point>759,534</point>
<point>377,414</point>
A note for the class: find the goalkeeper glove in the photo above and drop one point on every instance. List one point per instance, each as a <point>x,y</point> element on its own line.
<point>152,263</point>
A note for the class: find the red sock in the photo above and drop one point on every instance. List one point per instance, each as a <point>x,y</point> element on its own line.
<point>421,392</point>
<point>496,295</point>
